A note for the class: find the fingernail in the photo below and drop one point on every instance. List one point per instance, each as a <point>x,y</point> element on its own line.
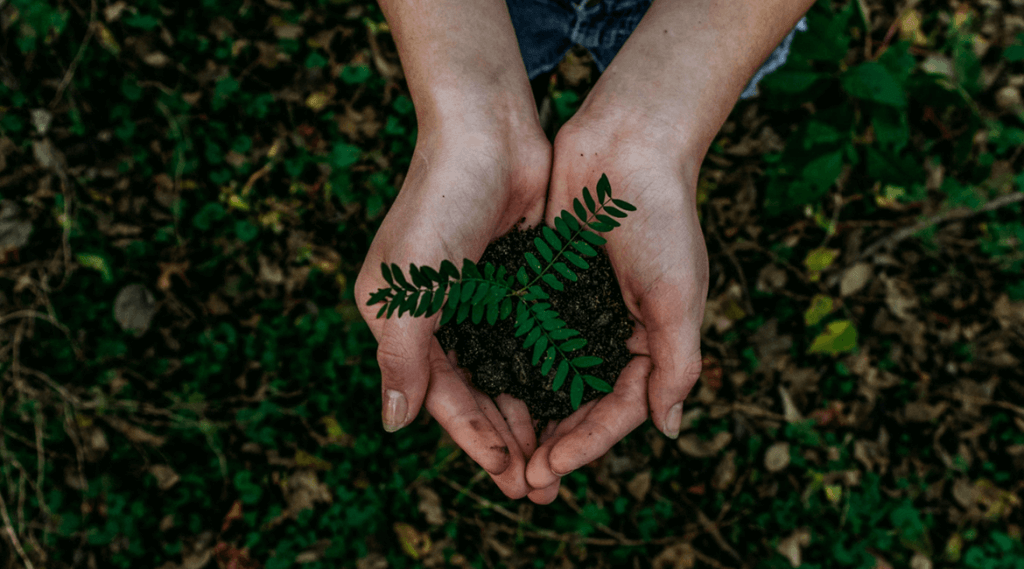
<point>560,474</point>
<point>394,410</point>
<point>674,421</point>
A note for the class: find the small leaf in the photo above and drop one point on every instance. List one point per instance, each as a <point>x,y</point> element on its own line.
<point>489,271</point>
<point>381,294</point>
<point>409,305</point>
<point>506,309</point>
<point>573,345</point>
<point>384,270</point>
<point>562,228</point>
<point>821,306</point>
<point>821,258</point>
<point>586,361</point>
<point>392,307</point>
<point>563,333</point>
<point>532,337</point>
<point>552,239</point>
<point>597,383</point>
<point>593,238</point>
<point>590,201</point>
<point>839,336</point>
<point>469,269</point>
<point>607,220</point>
<point>566,272</point>
<point>540,307</point>
<point>430,274</point>
<point>554,324</point>
<point>521,276</point>
<point>467,291</point>
<point>549,360</point>
<point>580,212</point>
<point>448,269</point>
<point>537,293</point>
<point>576,392</point>
<point>437,302</point>
<point>425,299</point>
<point>478,313</point>
<point>603,184</point>
<point>602,227</point>
<point>501,274</point>
<point>584,248</point>
<point>601,192</point>
<point>463,313</point>
<point>615,212</point>
<point>524,327</point>
<point>624,205</point>
<point>447,314</point>
<point>396,272</point>
<point>560,375</point>
<point>553,282</point>
<point>382,310</point>
<point>545,251</point>
<point>576,259</point>
<point>481,291</point>
<point>538,349</point>
<point>417,278</point>
<point>534,263</point>
<point>455,294</point>
<point>570,221</point>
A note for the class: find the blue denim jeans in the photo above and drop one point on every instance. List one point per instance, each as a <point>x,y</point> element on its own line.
<point>547,29</point>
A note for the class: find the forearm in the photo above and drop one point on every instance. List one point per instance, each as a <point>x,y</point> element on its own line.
<point>687,62</point>
<point>460,59</point>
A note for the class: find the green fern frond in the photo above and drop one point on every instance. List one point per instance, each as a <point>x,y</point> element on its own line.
<point>492,294</point>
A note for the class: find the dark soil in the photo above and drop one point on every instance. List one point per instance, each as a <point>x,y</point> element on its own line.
<point>495,358</point>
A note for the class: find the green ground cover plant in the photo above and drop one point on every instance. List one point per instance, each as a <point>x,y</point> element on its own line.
<point>860,404</point>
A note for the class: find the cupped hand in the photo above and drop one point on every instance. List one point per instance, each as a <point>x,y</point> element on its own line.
<point>466,186</point>
<point>661,263</point>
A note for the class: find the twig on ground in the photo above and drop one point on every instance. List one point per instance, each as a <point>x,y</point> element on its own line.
<point>90,30</point>
<point>542,533</point>
<point>950,215</point>
<point>711,528</point>
<point>12,535</point>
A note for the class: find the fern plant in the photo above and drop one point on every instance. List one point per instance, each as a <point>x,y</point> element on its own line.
<point>490,293</point>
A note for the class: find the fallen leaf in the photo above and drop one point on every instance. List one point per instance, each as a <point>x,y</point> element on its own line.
<point>134,309</point>
<point>678,556</point>
<point>821,306</point>
<point>854,279</point>
<point>165,476</point>
<point>693,446</point>
<point>776,457</point>
<point>430,505</point>
<point>640,485</point>
<point>725,472</point>
<point>820,259</point>
<point>839,336</point>
<point>789,410</point>
<point>415,543</point>
<point>791,547</point>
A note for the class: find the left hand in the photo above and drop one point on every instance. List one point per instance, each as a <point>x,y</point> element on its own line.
<point>661,262</point>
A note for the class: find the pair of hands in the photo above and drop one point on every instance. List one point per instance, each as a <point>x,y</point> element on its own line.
<point>469,182</point>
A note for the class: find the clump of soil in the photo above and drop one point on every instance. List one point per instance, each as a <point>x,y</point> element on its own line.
<point>497,362</point>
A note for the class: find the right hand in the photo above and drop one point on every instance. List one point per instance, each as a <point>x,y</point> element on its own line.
<point>467,185</point>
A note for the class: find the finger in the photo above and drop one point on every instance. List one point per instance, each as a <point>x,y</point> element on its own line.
<point>614,417</point>
<point>452,403</point>
<point>403,356</point>
<point>517,416</point>
<point>544,496</point>
<point>513,480</point>
<point>673,338</point>
<point>538,471</point>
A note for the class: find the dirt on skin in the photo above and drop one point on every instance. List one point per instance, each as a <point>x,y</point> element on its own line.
<point>497,362</point>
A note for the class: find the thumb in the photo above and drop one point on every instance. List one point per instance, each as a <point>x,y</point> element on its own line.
<point>673,335</point>
<point>403,356</point>
<point>403,352</point>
